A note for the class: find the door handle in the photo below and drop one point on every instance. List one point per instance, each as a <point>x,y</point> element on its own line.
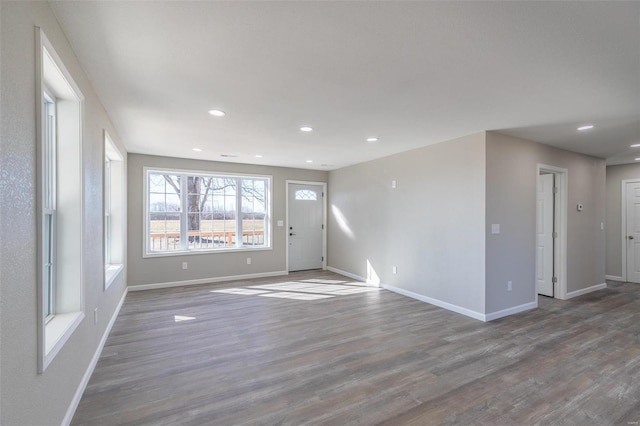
<point>630,237</point>
<point>292,234</point>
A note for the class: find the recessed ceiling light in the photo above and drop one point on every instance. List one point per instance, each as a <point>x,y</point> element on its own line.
<point>306,129</point>
<point>637,159</point>
<point>258,156</point>
<point>587,127</point>
<point>197,149</point>
<point>635,145</point>
<point>217,113</point>
<point>309,161</point>
<point>372,139</point>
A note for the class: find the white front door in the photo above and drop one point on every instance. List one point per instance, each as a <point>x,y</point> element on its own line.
<point>544,235</point>
<point>305,226</point>
<point>633,231</point>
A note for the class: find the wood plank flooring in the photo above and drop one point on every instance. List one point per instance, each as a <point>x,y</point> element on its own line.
<point>319,348</point>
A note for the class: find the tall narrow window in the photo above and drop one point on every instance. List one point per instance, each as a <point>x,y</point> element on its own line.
<point>113,211</point>
<point>49,206</point>
<point>60,203</point>
<point>107,212</point>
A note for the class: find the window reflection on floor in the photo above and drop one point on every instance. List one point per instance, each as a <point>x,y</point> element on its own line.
<point>310,289</point>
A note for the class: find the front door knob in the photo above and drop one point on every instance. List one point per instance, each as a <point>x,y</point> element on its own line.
<point>630,237</point>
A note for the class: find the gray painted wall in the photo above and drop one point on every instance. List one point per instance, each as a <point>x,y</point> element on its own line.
<point>159,270</point>
<point>27,398</point>
<point>511,202</point>
<point>615,176</point>
<point>431,226</point>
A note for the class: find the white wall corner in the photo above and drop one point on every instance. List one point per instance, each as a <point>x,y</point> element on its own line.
<point>436,302</point>
<point>511,311</point>
<point>582,291</point>
<point>349,275</point>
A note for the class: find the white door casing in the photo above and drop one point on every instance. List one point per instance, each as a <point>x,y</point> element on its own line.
<point>305,226</point>
<point>544,235</point>
<point>632,234</point>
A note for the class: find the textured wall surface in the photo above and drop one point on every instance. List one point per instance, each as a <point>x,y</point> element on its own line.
<point>27,398</point>
<point>158,270</point>
<point>511,202</point>
<point>431,227</point>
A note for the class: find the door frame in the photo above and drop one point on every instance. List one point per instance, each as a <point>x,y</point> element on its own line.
<point>561,177</point>
<point>623,223</point>
<point>324,218</point>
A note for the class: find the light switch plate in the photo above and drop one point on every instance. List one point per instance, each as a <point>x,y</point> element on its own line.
<point>495,228</point>
<point>281,223</point>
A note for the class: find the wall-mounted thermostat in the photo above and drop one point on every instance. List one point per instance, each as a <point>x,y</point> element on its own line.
<point>580,207</point>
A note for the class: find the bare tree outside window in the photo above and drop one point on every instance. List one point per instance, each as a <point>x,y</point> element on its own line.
<point>219,211</point>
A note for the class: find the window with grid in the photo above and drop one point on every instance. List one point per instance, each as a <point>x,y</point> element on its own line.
<point>113,211</point>
<point>200,212</point>
<point>49,206</point>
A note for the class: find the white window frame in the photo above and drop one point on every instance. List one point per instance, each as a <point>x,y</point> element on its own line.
<point>61,197</point>
<point>113,211</point>
<point>184,213</point>
<point>49,172</point>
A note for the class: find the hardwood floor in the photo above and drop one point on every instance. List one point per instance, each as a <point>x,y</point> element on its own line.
<point>280,354</point>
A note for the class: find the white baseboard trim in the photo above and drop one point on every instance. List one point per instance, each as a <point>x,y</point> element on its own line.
<point>92,365</point>
<point>347,274</point>
<point>436,302</point>
<point>614,278</point>
<point>586,290</point>
<point>206,280</point>
<point>510,311</point>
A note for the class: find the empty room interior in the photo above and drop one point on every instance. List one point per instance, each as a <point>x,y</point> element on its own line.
<point>352,212</point>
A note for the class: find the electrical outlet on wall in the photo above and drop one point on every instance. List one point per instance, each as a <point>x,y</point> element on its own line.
<point>509,285</point>
<point>248,261</point>
<point>185,265</point>
<point>395,270</point>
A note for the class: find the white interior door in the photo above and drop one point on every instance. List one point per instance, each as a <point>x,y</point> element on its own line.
<point>633,231</point>
<point>305,226</point>
<point>544,235</point>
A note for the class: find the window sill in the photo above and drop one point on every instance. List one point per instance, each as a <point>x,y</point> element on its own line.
<point>58,331</point>
<point>110,273</point>
<point>190,252</point>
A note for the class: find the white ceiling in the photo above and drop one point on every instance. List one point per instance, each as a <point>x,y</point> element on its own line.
<point>410,73</point>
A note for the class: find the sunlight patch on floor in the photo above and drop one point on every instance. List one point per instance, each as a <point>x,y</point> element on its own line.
<point>296,296</point>
<point>311,289</point>
<point>246,291</point>
<point>180,318</point>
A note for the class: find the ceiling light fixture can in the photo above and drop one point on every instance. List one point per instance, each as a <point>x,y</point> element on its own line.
<point>309,161</point>
<point>372,139</point>
<point>587,127</point>
<point>635,145</point>
<point>306,129</point>
<point>217,113</point>
<point>197,149</point>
